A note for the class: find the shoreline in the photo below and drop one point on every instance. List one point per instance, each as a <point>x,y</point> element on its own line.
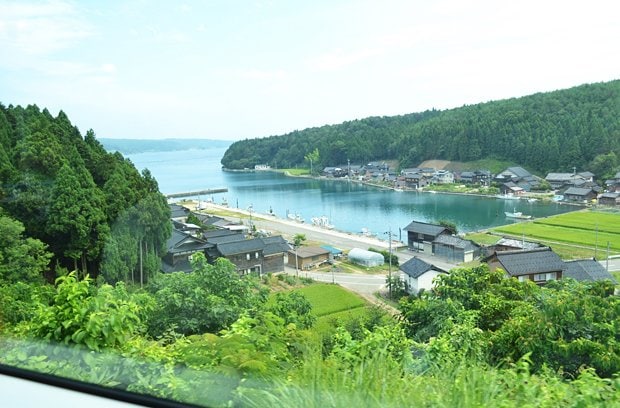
<point>372,241</point>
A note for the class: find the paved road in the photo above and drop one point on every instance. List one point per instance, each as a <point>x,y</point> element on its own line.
<point>357,282</point>
<point>614,264</point>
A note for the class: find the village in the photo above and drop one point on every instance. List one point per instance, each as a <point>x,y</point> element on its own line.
<point>430,249</point>
<point>513,182</point>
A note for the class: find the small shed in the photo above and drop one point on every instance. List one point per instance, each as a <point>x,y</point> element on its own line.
<point>307,257</point>
<point>334,253</point>
<point>365,258</point>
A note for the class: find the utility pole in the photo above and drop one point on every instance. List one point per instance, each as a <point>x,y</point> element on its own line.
<point>389,233</point>
<point>596,241</point>
<point>607,262</point>
<point>296,264</point>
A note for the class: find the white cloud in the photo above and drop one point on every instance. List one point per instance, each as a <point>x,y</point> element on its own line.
<point>39,29</point>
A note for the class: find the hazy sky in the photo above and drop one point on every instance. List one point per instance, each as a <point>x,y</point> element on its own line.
<point>245,69</point>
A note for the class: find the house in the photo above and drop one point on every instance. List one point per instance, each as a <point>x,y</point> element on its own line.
<point>366,258</point>
<point>587,270</point>
<point>419,275</point>
<point>180,248</point>
<point>273,253</point>
<point>216,233</point>
<point>466,177</point>
<point>559,180</point>
<point>519,176</point>
<point>443,177</point>
<point>178,212</point>
<point>609,199</point>
<point>420,235</point>
<point>307,257</point>
<point>186,227</point>
<point>538,265</point>
<point>579,194</point>
<point>415,180</point>
<point>482,177</point>
<point>247,255</point>
<point>256,255</point>
<point>511,188</point>
<point>455,249</point>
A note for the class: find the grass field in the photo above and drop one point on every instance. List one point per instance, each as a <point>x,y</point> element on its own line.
<point>578,233</point>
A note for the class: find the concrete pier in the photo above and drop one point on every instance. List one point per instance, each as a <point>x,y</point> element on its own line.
<point>196,193</point>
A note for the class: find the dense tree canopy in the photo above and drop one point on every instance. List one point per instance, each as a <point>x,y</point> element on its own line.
<point>552,131</point>
<point>71,194</point>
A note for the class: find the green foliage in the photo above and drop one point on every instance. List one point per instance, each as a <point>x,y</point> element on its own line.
<point>208,299</point>
<point>68,192</point>
<point>450,226</point>
<point>79,313</point>
<point>21,259</point>
<point>293,307</point>
<point>299,239</point>
<point>475,314</point>
<point>543,131</point>
<point>20,301</point>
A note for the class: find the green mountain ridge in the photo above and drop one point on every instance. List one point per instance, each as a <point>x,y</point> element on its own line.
<point>553,131</point>
<point>129,146</point>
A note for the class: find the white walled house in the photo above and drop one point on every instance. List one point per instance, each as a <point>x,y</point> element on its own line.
<point>419,275</point>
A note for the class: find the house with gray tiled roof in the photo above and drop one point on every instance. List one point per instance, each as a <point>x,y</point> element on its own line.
<point>255,255</point>
<point>518,175</point>
<point>611,199</point>
<point>180,248</point>
<point>589,270</point>
<point>538,265</point>
<point>418,274</point>
<point>307,257</point>
<point>455,249</point>
<point>178,212</point>
<point>579,194</point>
<point>420,235</point>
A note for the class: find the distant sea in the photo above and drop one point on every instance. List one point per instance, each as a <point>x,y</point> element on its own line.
<point>350,206</point>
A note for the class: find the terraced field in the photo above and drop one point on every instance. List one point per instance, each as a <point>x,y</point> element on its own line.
<point>581,229</point>
<point>333,304</point>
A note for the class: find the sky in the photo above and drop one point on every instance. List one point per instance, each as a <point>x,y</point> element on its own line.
<point>244,69</point>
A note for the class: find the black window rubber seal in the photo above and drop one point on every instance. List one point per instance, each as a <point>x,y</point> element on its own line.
<point>92,389</point>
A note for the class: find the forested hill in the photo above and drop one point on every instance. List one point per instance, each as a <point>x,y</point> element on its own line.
<point>128,146</point>
<point>63,193</point>
<point>551,131</point>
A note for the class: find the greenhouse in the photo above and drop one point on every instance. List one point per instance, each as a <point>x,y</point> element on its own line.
<point>365,258</point>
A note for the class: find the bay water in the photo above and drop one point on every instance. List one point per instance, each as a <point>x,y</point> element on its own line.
<point>350,206</point>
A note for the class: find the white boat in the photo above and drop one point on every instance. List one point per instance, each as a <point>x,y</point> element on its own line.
<point>365,232</point>
<point>398,190</point>
<point>517,214</point>
<point>295,217</point>
<point>508,197</point>
<point>322,222</point>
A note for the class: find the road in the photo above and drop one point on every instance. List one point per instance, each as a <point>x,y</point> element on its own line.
<point>357,282</point>
<point>614,264</point>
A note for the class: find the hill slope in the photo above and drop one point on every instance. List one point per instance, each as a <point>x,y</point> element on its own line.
<point>545,131</point>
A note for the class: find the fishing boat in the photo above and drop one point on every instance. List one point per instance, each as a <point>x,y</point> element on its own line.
<point>322,222</point>
<point>517,214</point>
<point>295,217</point>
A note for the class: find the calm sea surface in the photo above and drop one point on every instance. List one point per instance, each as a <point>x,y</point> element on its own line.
<point>349,206</point>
